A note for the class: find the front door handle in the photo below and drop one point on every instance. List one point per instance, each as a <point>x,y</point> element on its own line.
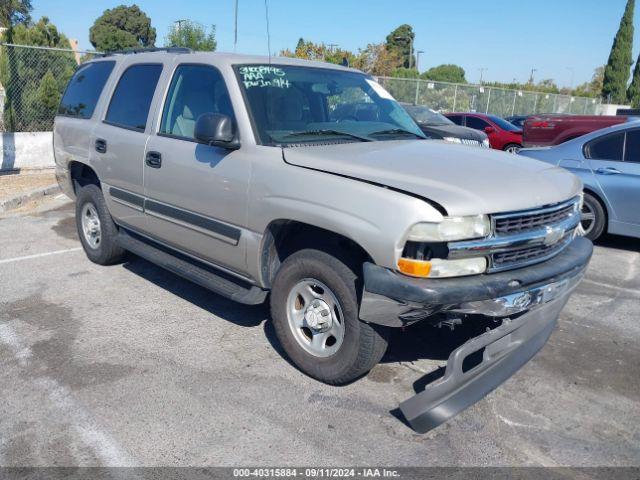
<point>101,145</point>
<point>153,159</point>
<point>608,171</point>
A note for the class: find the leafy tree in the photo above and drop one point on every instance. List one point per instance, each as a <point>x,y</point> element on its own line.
<point>633,92</point>
<point>34,79</point>
<point>192,35</point>
<point>309,50</point>
<point>13,12</point>
<point>376,59</point>
<point>616,73</point>
<point>122,27</point>
<point>446,73</point>
<point>401,41</point>
<point>592,88</point>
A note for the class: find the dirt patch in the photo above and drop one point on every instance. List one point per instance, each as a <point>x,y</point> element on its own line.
<point>66,228</point>
<point>14,185</point>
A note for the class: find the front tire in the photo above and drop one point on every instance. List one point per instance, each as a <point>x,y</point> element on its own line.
<point>314,307</point>
<point>96,229</point>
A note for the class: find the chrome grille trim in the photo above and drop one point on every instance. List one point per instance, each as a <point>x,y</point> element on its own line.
<point>531,240</point>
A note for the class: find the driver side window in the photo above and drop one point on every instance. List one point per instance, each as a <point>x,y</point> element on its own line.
<point>194,90</point>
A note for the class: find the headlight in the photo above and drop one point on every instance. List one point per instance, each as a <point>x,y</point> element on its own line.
<point>439,268</point>
<point>485,143</point>
<point>451,229</point>
<point>452,139</point>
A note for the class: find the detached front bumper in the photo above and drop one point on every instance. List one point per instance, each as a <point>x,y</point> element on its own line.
<point>534,296</point>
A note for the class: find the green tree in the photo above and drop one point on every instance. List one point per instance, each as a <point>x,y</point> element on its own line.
<point>13,12</point>
<point>633,92</point>
<point>616,73</point>
<point>192,35</point>
<point>446,73</point>
<point>401,41</point>
<point>121,28</point>
<point>34,79</point>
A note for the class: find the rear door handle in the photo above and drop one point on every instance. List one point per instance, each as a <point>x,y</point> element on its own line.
<point>101,145</point>
<point>608,171</point>
<point>153,159</point>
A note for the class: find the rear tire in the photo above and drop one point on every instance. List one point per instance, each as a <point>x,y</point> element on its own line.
<point>313,286</point>
<point>96,229</point>
<point>594,218</point>
<point>512,148</point>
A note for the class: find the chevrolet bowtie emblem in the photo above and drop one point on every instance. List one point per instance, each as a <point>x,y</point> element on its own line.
<point>553,234</point>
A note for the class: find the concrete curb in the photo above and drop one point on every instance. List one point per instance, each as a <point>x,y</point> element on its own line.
<point>19,200</point>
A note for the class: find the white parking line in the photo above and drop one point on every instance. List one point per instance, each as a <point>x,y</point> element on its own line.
<point>103,445</point>
<point>39,255</point>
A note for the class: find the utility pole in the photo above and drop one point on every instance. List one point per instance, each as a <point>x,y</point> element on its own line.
<point>570,78</point>
<point>235,29</point>
<point>533,70</point>
<point>482,70</point>
<point>418,59</point>
<point>179,24</point>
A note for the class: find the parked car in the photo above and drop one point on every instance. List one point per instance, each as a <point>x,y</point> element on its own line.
<point>246,175</point>
<point>502,134</point>
<point>549,130</point>
<point>608,162</point>
<point>517,120</point>
<point>437,126</point>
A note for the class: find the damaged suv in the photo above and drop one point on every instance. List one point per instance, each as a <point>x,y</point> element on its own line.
<point>308,185</point>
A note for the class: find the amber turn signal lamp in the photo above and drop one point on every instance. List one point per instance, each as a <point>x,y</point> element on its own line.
<point>415,268</point>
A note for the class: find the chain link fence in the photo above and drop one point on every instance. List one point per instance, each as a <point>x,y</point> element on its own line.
<point>454,97</point>
<point>33,80</point>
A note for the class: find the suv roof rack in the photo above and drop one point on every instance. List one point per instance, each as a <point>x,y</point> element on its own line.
<point>130,51</point>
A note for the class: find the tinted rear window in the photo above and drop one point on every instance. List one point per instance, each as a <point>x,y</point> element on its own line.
<point>606,148</point>
<point>84,89</point>
<point>132,97</point>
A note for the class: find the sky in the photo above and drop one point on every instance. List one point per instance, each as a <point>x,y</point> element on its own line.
<point>562,39</point>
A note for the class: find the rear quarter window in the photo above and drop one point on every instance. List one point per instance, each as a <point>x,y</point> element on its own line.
<point>84,89</point>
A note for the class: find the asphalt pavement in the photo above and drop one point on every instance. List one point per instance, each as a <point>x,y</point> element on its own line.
<point>131,365</point>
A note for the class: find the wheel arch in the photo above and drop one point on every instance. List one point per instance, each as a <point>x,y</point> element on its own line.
<point>82,174</point>
<point>603,204</point>
<point>283,237</point>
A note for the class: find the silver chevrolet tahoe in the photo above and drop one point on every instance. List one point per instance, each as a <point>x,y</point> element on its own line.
<point>308,185</point>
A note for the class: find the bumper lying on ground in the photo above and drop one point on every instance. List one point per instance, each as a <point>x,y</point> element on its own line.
<point>528,301</point>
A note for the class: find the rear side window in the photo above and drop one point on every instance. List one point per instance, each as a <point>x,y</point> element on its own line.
<point>606,148</point>
<point>457,119</point>
<point>131,100</point>
<point>632,150</point>
<point>84,89</point>
<point>476,123</point>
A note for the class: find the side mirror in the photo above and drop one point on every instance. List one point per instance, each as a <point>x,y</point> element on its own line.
<point>217,130</point>
<point>488,130</point>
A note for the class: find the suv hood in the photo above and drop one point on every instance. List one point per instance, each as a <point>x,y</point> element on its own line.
<point>463,180</point>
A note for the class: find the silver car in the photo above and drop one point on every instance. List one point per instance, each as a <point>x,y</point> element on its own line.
<point>608,162</point>
<point>308,185</point>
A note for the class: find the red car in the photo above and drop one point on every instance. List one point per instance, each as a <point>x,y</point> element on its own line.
<point>502,134</point>
<point>548,130</point>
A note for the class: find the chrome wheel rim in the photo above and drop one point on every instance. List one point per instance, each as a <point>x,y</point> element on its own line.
<point>315,318</point>
<point>587,219</point>
<point>91,225</point>
<point>513,149</point>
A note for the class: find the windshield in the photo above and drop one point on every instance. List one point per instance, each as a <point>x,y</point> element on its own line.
<point>291,104</point>
<point>422,114</point>
<point>503,124</point>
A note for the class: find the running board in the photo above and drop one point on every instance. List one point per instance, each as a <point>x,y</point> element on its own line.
<point>204,275</point>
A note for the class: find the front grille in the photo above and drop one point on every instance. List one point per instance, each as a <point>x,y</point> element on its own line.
<point>526,256</point>
<point>511,225</point>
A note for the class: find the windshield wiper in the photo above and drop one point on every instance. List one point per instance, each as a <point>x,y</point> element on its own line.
<point>326,131</point>
<point>396,131</point>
